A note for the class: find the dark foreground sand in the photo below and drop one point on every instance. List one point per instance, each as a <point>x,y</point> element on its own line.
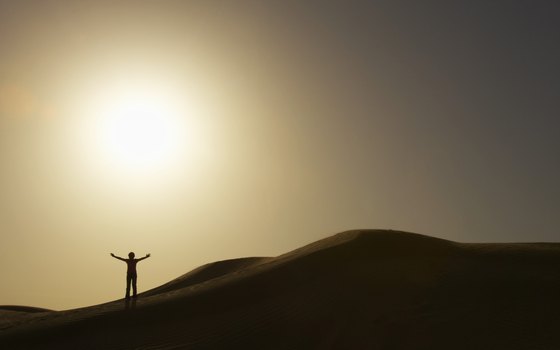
<point>368,289</point>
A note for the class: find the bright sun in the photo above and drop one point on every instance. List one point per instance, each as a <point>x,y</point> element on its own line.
<point>139,130</point>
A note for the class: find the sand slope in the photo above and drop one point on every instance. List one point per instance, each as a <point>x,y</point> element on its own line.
<point>367,289</point>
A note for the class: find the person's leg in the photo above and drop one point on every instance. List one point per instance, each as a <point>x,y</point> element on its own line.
<point>134,278</point>
<point>128,281</point>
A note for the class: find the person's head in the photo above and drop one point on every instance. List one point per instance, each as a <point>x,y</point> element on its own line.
<point>131,255</point>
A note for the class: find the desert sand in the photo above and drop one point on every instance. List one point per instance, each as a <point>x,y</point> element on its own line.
<point>361,289</point>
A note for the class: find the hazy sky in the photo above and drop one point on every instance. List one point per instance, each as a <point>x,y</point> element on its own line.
<point>300,119</point>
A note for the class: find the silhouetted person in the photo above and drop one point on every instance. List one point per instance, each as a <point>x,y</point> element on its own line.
<point>131,275</point>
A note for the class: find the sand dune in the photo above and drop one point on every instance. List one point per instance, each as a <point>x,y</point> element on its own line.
<point>205,273</point>
<point>367,289</point>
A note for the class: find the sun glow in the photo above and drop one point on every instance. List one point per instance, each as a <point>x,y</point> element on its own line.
<point>141,129</point>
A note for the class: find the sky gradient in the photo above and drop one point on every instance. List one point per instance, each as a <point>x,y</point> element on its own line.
<point>310,118</point>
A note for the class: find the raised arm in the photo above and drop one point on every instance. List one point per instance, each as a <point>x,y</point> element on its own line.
<point>117,257</point>
<point>147,256</point>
